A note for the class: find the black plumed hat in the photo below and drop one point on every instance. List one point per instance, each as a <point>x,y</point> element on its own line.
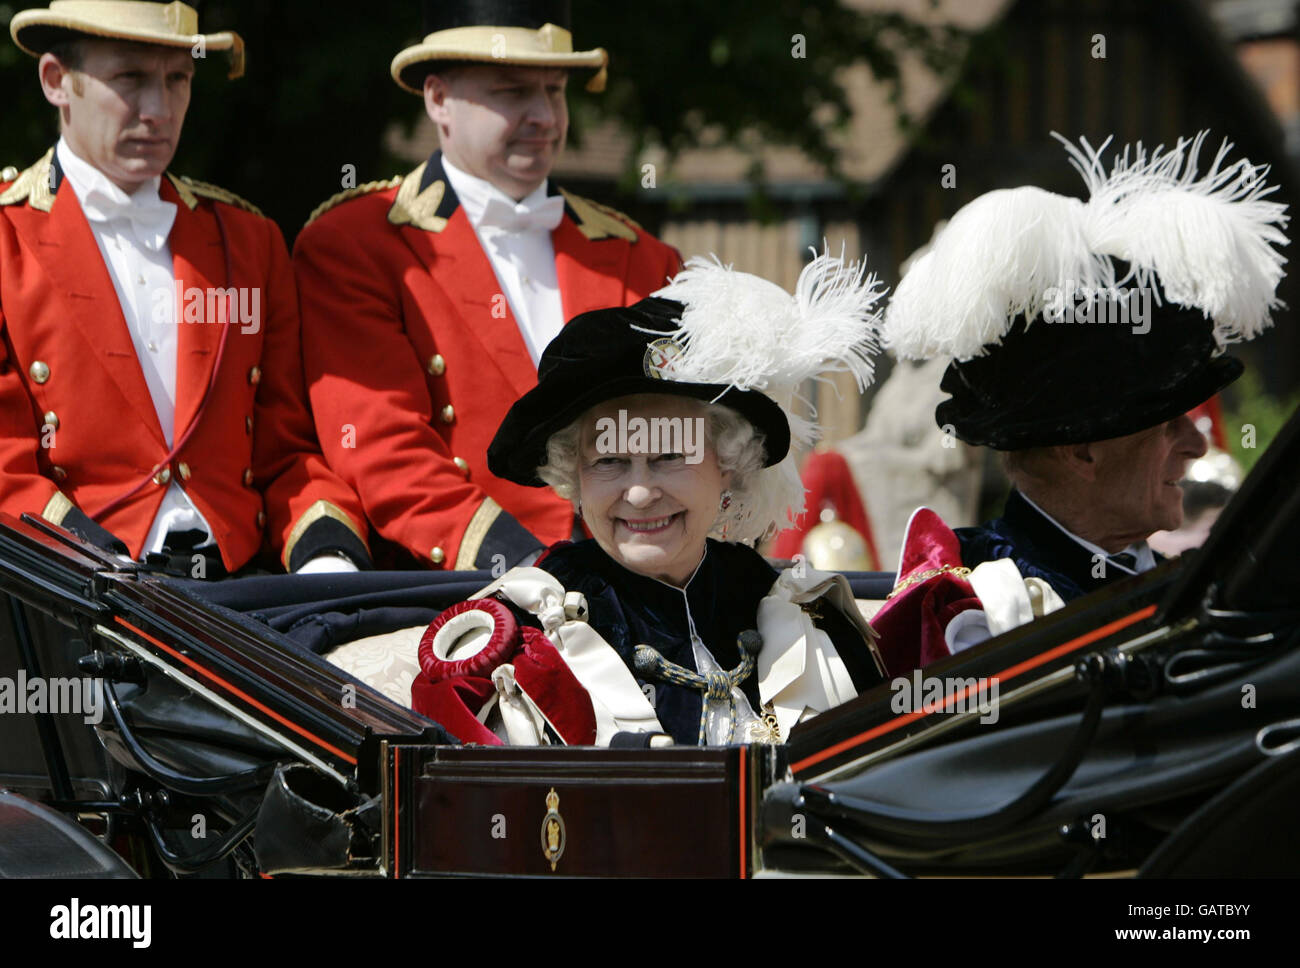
<point>711,334</point>
<point>1072,321</point>
<point>605,354</point>
<point>1068,382</point>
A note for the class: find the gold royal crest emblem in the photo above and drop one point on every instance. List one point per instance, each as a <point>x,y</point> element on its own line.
<point>553,834</point>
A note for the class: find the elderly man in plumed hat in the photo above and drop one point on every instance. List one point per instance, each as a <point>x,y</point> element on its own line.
<point>151,390</point>
<point>428,299</point>
<point>1081,333</point>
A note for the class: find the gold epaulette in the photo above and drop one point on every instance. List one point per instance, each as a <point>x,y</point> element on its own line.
<point>351,193</point>
<point>191,190</point>
<point>419,208</point>
<point>31,186</point>
<point>597,221</point>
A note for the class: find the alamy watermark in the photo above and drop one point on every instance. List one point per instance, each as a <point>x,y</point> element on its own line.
<point>949,694</point>
<point>79,696</point>
<point>240,307</point>
<point>651,435</point>
<point>75,921</point>
<point>1122,306</point>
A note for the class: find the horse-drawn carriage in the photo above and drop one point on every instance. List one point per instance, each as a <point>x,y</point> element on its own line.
<point>153,725</point>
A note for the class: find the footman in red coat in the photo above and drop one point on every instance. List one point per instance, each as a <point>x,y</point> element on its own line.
<point>151,388</point>
<point>427,299</point>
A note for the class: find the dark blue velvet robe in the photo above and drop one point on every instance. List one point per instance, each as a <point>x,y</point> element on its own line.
<point>628,609</point>
<point>1038,547</point>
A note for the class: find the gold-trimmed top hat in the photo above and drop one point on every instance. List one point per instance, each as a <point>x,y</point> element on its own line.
<point>528,33</point>
<point>166,24</point>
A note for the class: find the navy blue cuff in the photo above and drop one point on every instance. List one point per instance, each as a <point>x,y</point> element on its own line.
<point>509,539</point>
<point>328,536</point>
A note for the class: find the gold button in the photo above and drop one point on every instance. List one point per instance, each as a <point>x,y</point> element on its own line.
<point>58,473</point>
<point>448,414</point>
<point>184,469</point>
<point>261,519</point>
<point>248,425</point>
<point>437,365</point>
<point>164,476</point>
<point>437,556</point>
<point>9,173</point>
<point>248,477</point>
<point>255,375</point>
<point>40,372</point>
<point>463,464</point>
<point>52,420</point>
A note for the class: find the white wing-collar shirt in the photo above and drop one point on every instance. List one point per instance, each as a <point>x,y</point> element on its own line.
<point>516,236</point>
<point>131,232</point>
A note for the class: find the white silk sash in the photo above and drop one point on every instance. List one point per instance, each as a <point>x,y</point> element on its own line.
<point>799,671</point>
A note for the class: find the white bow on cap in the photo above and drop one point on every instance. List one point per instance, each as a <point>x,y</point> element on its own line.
<point>150,218</point>
<point>500,213</point>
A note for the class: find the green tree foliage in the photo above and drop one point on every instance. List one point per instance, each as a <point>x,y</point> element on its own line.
<point>317,95</point>
<point>747,73</point>
<point>1252,417</point>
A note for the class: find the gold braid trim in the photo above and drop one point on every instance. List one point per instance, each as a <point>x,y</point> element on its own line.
<point>597,221</point>
<point>32,186</point>
<point>920,576</point>
<point>57,509</point>
<point>191,190</point>
<point>479,525</point>
<point>321,509</point>
<point>351,193</point>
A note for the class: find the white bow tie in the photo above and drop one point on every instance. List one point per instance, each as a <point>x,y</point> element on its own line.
<point>150,219</point>
<point>507,216</point>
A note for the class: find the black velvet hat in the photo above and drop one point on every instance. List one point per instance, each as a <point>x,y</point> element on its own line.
<point>1058,382</point>
<point>1073,321</point>
<point>609,353</point>
<point>529,33</point>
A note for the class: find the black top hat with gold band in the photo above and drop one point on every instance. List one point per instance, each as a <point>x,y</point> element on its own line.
<point>527,33</point>
<point>164,24</point>
<point>1071,321</point>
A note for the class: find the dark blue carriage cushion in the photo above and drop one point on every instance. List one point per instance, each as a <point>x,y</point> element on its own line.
<point>319,612</point>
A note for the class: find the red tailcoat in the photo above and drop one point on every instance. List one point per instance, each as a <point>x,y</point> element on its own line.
<point>78,427</point>
<point>414,356</point>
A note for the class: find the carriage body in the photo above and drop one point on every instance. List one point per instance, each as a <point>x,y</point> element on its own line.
<point>222,742</point>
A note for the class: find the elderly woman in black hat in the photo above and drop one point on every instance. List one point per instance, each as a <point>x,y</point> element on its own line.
<point>661,422</point>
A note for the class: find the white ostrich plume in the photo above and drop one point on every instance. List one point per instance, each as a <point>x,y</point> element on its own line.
<point>1207,241</point>
<point>742,331</point>
<point>1003,255</point>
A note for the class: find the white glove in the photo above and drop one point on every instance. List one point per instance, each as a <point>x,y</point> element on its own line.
<point>327,564</point>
